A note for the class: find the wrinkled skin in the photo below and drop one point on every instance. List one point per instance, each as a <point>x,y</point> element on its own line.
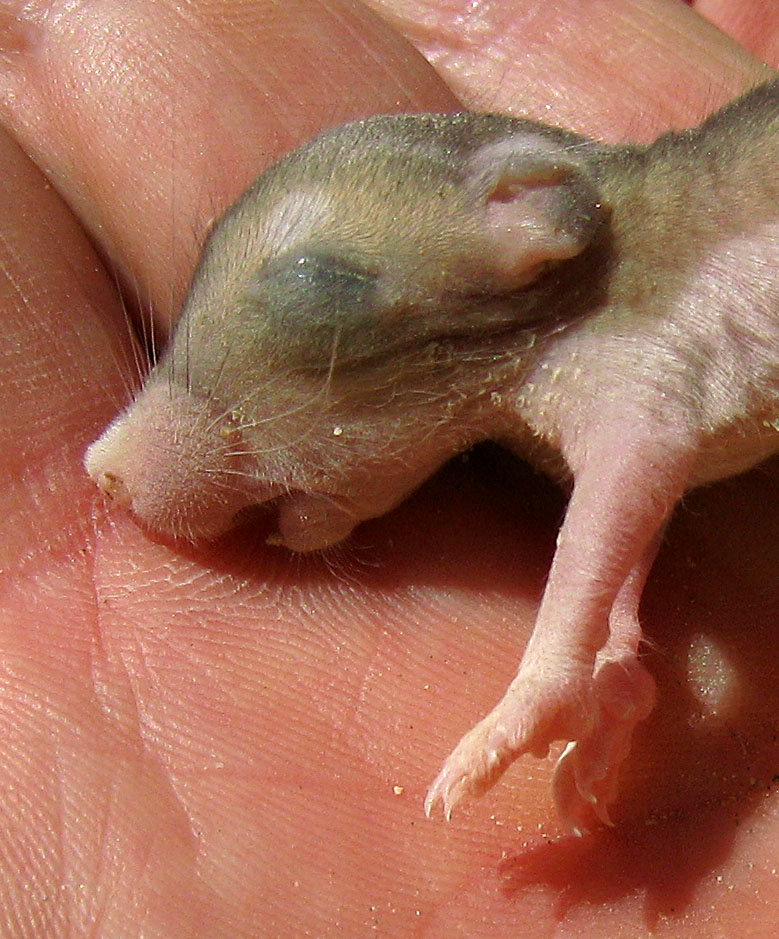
<point>206,742</point>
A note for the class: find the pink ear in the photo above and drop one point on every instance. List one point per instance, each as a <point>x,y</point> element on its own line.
<point>537,204</point>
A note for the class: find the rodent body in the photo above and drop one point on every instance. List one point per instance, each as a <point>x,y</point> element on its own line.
<point>406,286</point>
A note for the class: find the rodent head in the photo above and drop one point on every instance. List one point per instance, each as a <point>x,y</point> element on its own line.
<point>344,322</point>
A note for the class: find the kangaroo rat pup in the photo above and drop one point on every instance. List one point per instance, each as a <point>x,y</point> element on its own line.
<point>406,286</point>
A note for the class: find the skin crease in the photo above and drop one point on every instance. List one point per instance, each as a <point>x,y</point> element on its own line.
<point>206,742</point>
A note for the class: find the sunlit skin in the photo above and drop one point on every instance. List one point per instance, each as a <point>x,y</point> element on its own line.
<point>231,741</point>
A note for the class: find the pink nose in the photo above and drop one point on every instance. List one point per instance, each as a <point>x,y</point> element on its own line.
<point>113,486</point>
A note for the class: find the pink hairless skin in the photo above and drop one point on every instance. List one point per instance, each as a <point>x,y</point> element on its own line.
<point>407,286</point>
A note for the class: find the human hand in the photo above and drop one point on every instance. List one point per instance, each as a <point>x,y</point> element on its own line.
<point>208,741</point>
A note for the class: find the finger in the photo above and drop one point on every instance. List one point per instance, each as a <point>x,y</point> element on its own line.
<point>628,68</point>
<point>61,345</point>
<point>752,23</point>
<point>149,133</point>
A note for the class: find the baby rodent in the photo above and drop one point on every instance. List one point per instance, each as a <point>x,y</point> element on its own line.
<point>405,286</point>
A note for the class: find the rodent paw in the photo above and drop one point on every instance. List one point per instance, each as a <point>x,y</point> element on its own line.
<point>597,714</point>
<point>473,766</point>
<point>587,772</point>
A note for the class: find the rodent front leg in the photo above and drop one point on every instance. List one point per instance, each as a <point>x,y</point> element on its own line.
<point>586,775</point>
<point>623,493</point>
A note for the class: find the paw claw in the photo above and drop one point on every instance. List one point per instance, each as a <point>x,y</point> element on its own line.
<point>585,781</point>
<point>601,809</point>
<point>432,800</point>
<point>472,767</point>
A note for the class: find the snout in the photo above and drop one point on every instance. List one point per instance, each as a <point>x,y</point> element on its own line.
<point>177,464</point>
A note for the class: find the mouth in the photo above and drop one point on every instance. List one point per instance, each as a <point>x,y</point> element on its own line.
<point>311,521</point>
<point>295,520</point>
